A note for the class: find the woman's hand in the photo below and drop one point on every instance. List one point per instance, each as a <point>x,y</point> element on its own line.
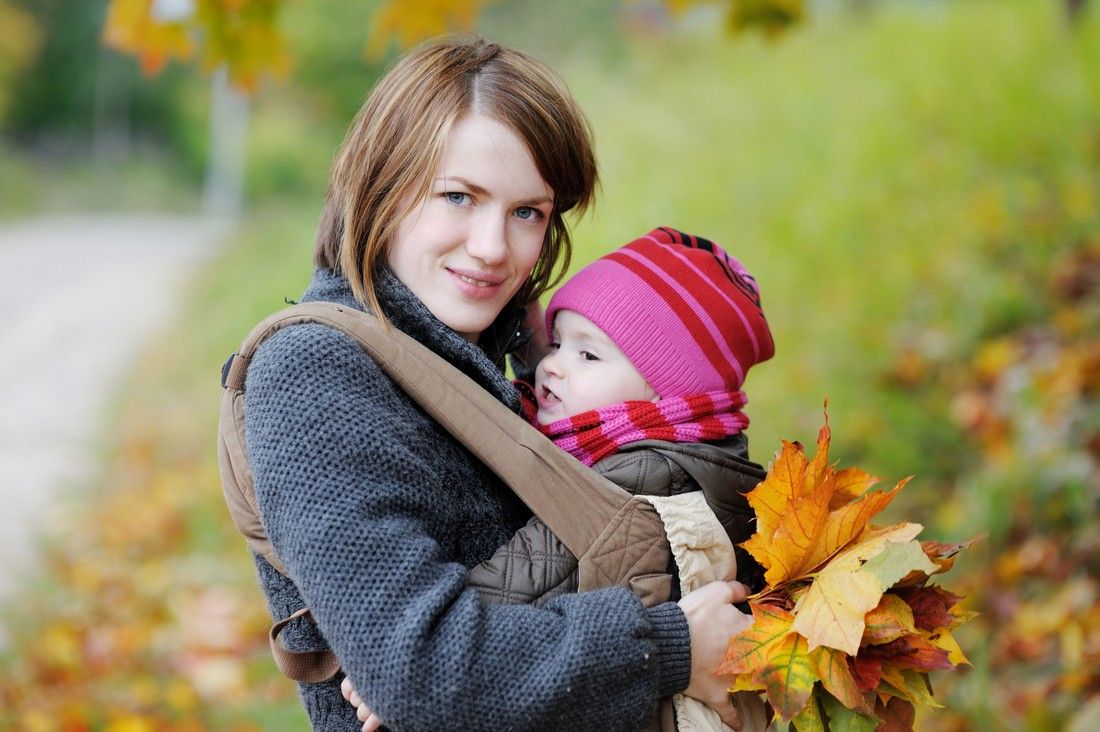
<point>712,621</point>
<point>363,713</point>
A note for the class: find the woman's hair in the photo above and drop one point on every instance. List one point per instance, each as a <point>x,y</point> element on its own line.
<point>394,146</point>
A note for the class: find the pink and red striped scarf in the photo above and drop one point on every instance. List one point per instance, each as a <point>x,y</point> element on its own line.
<point>593,435</point>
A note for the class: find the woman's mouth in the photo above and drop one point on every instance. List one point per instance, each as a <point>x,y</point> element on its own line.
<point>476,285</point>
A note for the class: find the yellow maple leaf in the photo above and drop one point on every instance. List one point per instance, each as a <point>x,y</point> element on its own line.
<point>943,639</point>
<point>806,511</point>
<point>832,611</point>
<point>771,498</point>
<point>789,675</point>
<point>795,538</point>
<point>768,655</point>
<point>750,649</point>
<point>836,677</point>
<point>910,685</point>
<point>851,483</point>
<point>890,619</point>
<point>847,522</point>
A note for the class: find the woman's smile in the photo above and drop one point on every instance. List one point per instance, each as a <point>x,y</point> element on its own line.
<point>476,285</point>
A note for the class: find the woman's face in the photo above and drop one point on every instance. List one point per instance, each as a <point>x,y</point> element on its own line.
<point>468,247</point>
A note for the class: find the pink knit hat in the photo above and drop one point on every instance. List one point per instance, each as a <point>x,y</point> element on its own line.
<point>684,312</point>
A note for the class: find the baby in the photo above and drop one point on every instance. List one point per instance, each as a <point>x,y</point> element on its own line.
<point>649,348</point>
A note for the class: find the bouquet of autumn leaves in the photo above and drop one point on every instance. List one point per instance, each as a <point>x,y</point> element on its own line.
<point>847,628</point>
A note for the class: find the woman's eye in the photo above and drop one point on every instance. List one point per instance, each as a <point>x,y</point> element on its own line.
<point>458,199</point>
<point>527,213</point>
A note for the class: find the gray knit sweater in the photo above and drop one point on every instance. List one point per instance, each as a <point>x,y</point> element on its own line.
<point>378,514</point>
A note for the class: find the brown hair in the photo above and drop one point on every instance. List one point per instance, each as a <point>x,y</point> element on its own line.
<point>396,141</point>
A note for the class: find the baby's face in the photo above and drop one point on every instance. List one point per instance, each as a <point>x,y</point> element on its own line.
<point>584,370</point>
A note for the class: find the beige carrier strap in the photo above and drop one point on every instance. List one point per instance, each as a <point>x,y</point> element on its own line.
<point>618,539</point>
<point>309,666</point>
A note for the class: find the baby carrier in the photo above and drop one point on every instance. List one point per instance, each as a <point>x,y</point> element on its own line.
<point>619,539</point>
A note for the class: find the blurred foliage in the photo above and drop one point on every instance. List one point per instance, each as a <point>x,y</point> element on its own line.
<point>73,98</point>
<point>19,39</point>
<point>917,188</point>
<point>246,37</point>
<point>242,35</point>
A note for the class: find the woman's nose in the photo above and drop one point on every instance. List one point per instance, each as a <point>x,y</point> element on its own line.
<point>488,240</point>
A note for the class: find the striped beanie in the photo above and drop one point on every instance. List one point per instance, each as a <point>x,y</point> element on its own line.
<point>684,312</point>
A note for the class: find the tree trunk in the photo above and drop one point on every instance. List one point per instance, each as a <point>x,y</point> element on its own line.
<point>223,193</point>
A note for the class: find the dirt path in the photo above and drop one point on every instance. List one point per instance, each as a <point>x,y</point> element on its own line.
<point>78,297</point>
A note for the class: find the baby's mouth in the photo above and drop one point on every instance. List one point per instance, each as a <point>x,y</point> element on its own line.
<point>547,398</point>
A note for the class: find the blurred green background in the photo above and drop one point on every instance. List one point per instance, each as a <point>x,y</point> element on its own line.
<point>916,186</point>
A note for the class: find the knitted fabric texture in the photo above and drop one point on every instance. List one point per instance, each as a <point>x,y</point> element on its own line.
<point>593,435</point>
<point>686,313</point>
<point>378,513</point>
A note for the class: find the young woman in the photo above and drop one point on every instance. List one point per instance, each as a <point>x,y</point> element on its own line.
<point>444,217</point>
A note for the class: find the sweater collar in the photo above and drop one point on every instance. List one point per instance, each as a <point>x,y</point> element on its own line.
<point>483,362</point>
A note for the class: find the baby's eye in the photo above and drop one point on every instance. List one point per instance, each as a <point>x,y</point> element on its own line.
<point>589,356</point>
<point>528,213</point>
<point>457,198</point>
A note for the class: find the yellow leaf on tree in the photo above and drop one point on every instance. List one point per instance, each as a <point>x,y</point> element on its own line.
<point>412,21</point>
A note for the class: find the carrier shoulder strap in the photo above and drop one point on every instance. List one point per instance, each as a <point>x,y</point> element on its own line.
<point>617,538</point>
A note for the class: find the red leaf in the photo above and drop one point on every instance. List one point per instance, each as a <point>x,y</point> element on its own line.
<point>897,715</point>
<point>866,671</point>
<point>910,651</point>
<point>931,606</point>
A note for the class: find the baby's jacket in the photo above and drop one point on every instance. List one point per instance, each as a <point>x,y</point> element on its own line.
<point>534,566</point>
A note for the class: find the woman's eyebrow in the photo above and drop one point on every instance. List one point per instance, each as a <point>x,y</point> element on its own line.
<point>478,190</point>
<point>469,184</point>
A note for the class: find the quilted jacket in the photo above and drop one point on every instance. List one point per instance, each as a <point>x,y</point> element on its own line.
<point>534,567</point>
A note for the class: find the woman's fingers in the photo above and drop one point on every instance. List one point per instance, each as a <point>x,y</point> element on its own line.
<point>346,689</point>
<point>363,713</point>
<point>712,621</point>
<point>738,591</point>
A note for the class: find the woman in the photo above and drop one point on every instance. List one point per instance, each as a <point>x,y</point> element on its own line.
<point>445,215</point>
